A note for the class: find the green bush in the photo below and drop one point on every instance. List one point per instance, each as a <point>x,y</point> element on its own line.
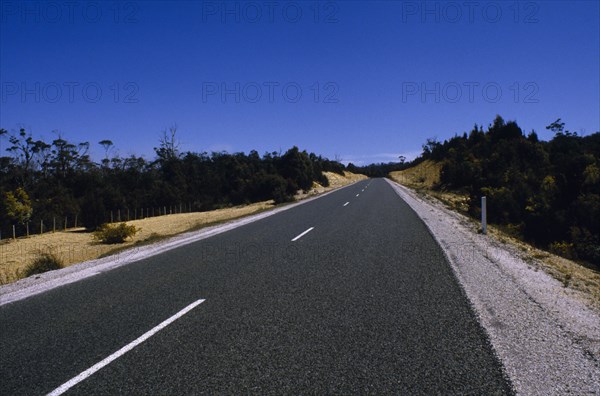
<point>111,234</point>
<point>47,262</point>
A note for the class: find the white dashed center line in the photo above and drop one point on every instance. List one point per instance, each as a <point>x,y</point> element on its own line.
<point>357,195</point>
<point>304,233</point>
<point>346,204</point>
<point>87,373</point>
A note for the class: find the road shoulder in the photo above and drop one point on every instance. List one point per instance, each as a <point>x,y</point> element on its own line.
<point>546,336</point>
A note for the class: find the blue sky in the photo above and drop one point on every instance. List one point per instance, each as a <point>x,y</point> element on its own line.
<point>359,81</point>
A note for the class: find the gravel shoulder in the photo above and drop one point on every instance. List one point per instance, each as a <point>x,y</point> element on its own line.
<point>546,335</point>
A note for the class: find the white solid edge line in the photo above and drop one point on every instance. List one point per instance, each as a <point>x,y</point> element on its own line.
<point>87,373</point>
<point>346,204</point>
<point>304,233</point>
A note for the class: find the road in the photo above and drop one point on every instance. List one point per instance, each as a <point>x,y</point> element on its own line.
<point>348,293</point>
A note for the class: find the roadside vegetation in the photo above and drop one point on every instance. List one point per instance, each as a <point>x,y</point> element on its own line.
<point>78,244</point>
<point>42,181</point>
<point>544,192</point>
<point>44,263</point>
<point>111,234</point>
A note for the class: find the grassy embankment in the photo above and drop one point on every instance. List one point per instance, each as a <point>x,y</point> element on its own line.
<point>426,175</point>
<point>77,245</point>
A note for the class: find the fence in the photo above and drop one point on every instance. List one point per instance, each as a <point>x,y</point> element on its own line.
<point>62,223</point>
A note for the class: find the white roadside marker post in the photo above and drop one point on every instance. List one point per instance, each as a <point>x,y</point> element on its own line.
<point>483,215</point>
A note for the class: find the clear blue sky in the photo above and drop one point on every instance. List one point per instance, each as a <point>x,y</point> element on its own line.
<point>377,78</point>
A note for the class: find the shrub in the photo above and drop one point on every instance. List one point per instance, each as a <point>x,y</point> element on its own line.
<point>281,194</point>
<point>111,234</point>
<point>563,249</point>
<point>47,262</point>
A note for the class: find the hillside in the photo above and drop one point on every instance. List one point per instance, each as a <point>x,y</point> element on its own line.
<point>545,192</point>
<point>425,174</point>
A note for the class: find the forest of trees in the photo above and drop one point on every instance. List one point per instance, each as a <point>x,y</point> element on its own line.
<point>44,180</point>
<point>546,192</point>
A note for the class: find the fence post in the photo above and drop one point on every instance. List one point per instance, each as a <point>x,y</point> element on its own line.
<point>14,234</point>
<point>127,214</point>
<point>75,221</point>
<point>111,217</point>
<point>65,229</point>
<point>118,214</point>
<point>41,226</point>
<point>53,224</point>
<point>483,215</point>
<point>27,228</point>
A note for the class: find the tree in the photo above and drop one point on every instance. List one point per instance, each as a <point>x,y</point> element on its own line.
<point>43,155</point>
<point>431,148</point>
<point>17,206</point>
<point>2,133</point>
<point>107,145</point>
<point>23,147</point>
<point>557,127</point>
<point>169,145</point>
<point>296,166</point>
<point>64,155</point>
<point>533,137</point>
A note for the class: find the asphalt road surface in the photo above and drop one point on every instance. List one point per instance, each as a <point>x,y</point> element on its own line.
<point>348,293</point>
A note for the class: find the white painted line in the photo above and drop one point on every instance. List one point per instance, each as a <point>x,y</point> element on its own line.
<point>304,233</point>
<point>346,204</point>
<point>87,373</point>
<point>357,195</point>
